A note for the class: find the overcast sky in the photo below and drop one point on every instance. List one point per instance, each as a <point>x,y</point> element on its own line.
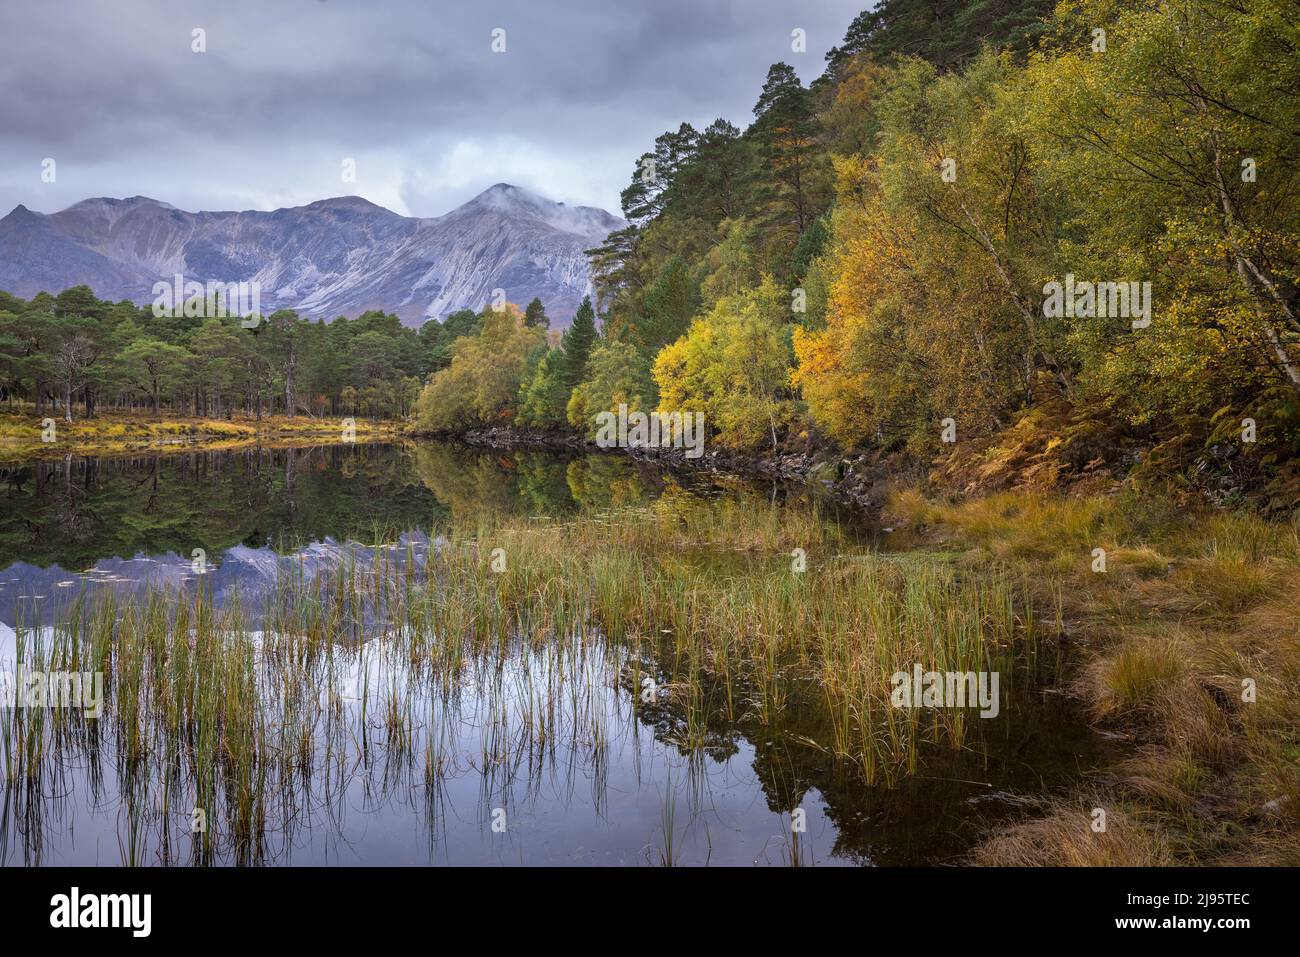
<point>411,90</point>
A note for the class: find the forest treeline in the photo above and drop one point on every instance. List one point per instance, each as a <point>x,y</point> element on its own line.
<point>74,354</point>
<point>875,253</point>
<point>870,262</point>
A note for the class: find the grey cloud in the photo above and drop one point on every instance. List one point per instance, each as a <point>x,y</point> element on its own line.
<point>410,89</point>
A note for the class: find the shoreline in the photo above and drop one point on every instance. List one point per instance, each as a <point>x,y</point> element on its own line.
<point>1178,709</point>
<point>110,435</point>
<point>1145,632</point>
<point>858,480</point>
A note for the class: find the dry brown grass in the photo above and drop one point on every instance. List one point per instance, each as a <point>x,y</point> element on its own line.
<point>1064,837</point>
<point>1193,609</point>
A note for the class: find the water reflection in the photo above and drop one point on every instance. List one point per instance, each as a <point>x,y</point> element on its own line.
<point>133,521</point>
<point>534,748</point>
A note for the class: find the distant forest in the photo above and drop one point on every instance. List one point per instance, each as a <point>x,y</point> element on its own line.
<point>75,354</point>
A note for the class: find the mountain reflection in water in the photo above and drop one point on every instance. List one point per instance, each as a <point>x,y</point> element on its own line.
<point>546,740</point>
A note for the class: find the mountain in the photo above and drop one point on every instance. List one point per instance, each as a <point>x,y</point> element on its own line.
<point>333,257</point>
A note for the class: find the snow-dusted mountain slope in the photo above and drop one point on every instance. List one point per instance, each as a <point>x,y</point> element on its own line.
<point>333,257</point>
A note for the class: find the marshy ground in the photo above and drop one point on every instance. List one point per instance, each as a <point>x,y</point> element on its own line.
<point>454,656</point>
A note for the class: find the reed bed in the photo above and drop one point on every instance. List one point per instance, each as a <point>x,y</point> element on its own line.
<point>257,720</point>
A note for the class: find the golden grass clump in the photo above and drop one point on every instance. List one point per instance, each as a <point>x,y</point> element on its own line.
<point>1191,649</point>
<point>1064,837</point>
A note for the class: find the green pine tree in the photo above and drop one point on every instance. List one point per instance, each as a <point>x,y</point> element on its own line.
<point>535,315</point>
<point>577,343</point>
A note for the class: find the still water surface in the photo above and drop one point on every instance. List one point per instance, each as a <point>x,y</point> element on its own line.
<point>605,782</point>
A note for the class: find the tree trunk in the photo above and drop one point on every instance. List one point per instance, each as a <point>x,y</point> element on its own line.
<point>290,398</point>
<point>1250,274</point>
